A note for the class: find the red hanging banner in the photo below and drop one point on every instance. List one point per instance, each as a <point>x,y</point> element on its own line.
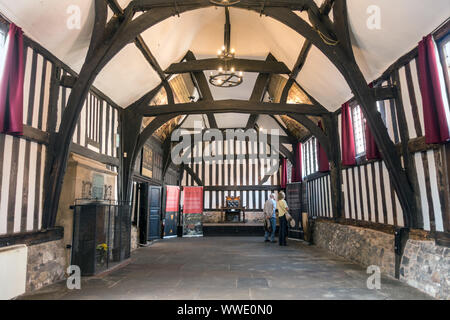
<point>193,200</point>
<point>172,198</point>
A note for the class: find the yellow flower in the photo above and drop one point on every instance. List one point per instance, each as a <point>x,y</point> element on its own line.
<point>102,246</point>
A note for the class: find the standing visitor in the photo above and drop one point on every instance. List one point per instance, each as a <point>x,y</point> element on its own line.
<point>270,218</point>
<point>282,210</point>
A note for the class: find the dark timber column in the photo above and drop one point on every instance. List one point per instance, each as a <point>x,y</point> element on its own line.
<point>130,124</point>
<point>331,127</point>
<point>60,142</point>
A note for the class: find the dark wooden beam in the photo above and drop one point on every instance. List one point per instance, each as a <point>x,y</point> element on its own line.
<point>408,158</point>
<point>226,106</point>
<point>325,9</point>
<point>139,42</point>
<point>241,188</point>
<point>202,85</point>
<point>32,238</point>
<point>35,135</point>
<point>193,175</point>
<point>244,65</point>
<point>252,121</point>
<point>145,100</point>
<point>148,55</point>
<point>166,157</point>
<point>257,5</point>
<point>68,81</point>
<point>332,131</point>
<point>315,130</point>
<point>96,59</point>
<point>88,153</point>
<point>259,90</point>
<point>292,139</point>
<point>385,93</point>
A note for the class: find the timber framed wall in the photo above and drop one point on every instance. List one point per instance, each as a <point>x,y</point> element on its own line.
<point>368,193</point>
<point>23,159</point>
<point>246,177</point>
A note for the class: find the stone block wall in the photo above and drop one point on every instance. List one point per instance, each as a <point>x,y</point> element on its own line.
<point>46,264</point>
<point>364,246</point>
<point>425,265</point>
<point>251,217</point>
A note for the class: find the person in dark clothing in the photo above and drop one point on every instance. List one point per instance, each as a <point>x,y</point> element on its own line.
<point>282,210</point>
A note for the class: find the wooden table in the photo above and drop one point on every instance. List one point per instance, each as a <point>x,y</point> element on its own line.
<point>241,209</point>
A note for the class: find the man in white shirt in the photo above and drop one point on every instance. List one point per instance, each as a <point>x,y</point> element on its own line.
<point>270,216</point>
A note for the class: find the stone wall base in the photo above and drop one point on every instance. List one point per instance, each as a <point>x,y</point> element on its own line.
<point>425,265</point>
<point>251,217</point>
<point>46,264</point>
<point>364,246</point>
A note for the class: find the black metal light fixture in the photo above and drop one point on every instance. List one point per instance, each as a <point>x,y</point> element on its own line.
<point>224,3</point>
<point>226,76</point>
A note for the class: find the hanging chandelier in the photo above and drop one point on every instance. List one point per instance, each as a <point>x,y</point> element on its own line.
<point>224,3</point>
<point>226,76</point>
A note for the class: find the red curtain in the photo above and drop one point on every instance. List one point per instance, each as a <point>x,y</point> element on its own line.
<point>297,174</point>
<point>436,128</point>
<point>372,152</point>
<point>347,138</point>
<point>11,86</point>
<point>283,173</point>
<point>324,164</point>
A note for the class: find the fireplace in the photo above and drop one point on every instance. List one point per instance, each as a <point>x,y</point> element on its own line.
<point>101,235</point>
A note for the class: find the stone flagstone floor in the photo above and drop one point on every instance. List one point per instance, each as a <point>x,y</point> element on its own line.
<point>232,268</point>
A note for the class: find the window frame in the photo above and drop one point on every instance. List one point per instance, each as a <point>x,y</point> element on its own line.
<point>440,44</point>
<point>310,157</point>
<point>4,29</point>
<point>353,106</point>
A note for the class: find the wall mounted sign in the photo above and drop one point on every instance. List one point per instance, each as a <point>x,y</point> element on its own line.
<point>147,162</point>
<point>293,198</point>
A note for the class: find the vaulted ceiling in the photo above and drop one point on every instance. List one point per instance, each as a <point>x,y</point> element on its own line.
<point>128,76</point>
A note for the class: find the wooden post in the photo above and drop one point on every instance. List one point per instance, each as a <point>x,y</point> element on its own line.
<point>331,128</point>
